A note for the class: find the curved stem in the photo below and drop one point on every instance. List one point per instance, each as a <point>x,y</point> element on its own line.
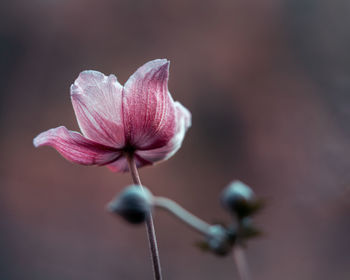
<point>182,214</point>
<point>241,262</point>
<point>151,234</point>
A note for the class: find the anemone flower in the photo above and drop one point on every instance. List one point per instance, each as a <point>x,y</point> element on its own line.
<point>139,119</point>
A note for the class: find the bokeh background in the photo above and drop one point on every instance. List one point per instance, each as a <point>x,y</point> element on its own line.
<point>268,85</point>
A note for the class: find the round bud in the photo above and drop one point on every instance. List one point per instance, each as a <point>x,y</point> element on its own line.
<point>239,199</point>
<point>219,240</point>
<point>134,204</point>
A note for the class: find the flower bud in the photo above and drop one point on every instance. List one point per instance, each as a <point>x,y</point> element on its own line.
<point>220,240</point>
<point>239,199</point>
<point>134,204</point>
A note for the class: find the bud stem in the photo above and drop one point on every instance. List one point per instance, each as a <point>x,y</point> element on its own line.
<point>241,262</point>
<point>182,214</point>
<point>151,234</point>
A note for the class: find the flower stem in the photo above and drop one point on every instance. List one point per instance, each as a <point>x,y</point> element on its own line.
<point>151,234</point>
<point>241,262</point>
<point>182,214</point>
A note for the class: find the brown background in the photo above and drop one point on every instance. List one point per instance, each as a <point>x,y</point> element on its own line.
<point>268,85</point>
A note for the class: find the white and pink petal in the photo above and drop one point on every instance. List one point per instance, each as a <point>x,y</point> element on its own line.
<point>122,165</point>
<point>76,148</point>
<point>183,123</point>
<point>149,111</point>
<point>97,102</point>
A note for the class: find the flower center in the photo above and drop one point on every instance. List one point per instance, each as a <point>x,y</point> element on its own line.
<point>129,150</point>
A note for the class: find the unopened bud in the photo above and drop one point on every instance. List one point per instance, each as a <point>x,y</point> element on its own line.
<point>239,199</point>
<point>134,204</point>
<point>220,240</point>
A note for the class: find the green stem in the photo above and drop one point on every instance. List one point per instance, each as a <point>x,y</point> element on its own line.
<point>151,234</point>
<point>182,214</point>
<point>241,262</point>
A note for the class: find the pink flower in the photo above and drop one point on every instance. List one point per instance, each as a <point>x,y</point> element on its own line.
<point>139,118</point>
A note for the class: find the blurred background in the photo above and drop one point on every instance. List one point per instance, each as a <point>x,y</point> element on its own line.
<point>268,85</point>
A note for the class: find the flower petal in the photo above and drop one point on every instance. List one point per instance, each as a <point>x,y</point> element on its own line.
<point>97,102</point>
<point>76,148</point>
<point>121,165</point>
<point>183,123</point>
<point>149,112</point>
